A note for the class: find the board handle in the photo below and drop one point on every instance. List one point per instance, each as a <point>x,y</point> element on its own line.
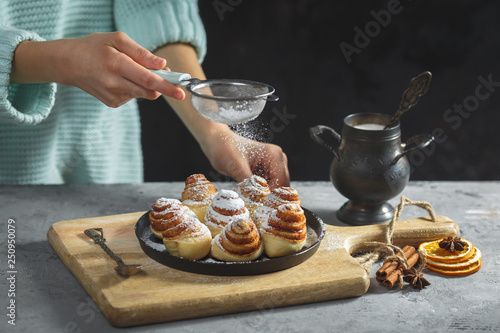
<point>411,232</point>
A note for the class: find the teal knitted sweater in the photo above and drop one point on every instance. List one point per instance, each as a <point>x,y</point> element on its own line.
<point>53,134</point>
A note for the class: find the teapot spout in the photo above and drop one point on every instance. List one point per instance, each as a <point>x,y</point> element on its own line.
<point>316,132</point>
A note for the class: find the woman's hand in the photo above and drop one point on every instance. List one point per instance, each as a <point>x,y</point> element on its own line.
<point>229,153</point>
<point>239,158</point>
<point>109,66</point>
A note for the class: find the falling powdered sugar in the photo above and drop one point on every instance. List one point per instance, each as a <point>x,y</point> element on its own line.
<point>252,190</point>
<point>244,142</point>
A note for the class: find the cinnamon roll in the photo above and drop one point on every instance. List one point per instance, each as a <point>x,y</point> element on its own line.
<point>252,191</point>
<point>198,194</point>
<point>182,233</point>
<point>225,207</point>
<point>285,231</point>
<point>189,239</point>
<point>278,196</point>
<point>164,212</point>
<point>238,241</point>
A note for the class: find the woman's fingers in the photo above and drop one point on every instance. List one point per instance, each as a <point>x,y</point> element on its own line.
<point>238,170</point>
<point>122,92</point>
<point>272,164</point>
<point>239,158</point>
<point>144,78</point>
<point>278,171</point>
<point>123,43</point>
<point>134,64</point>
<point>115,69</point>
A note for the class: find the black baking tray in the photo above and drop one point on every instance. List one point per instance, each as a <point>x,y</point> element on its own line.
<point>155,249</point>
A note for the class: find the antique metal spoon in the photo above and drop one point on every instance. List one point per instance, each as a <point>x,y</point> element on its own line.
<point>97,235</point>
<point>417,88</point>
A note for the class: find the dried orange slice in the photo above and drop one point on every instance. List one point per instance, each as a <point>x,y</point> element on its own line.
<point>437,254</point>
<point>464,264</point>
<point>462,272</point>
<point>458,263</point>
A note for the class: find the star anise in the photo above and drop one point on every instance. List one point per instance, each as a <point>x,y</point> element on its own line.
<point>451,244</point>
<point>415,278</point>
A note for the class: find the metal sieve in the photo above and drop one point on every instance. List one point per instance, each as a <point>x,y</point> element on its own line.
<point>225,101</point>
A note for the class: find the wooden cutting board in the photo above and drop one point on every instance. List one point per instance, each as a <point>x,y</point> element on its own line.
<point>159,293</point>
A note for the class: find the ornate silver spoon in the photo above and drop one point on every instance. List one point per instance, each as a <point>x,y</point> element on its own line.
<point>122,269</point>
<point>417,88</point>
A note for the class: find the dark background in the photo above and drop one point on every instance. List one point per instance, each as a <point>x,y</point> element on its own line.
<point>294,46</point>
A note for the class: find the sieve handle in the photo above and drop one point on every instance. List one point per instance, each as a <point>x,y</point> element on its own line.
<point>172,77</point>
<point>272,98</point>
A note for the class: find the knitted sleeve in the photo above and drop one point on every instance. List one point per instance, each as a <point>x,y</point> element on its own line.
<point>155,23</point>
<point>26,104</point>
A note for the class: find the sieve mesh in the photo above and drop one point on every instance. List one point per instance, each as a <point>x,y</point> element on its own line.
<point>229,101</point>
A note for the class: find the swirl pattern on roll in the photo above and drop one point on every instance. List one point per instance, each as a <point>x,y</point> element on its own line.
<point>278,196</point>
<point>238,241</point>
<point>186,227</point>
<point>198,189</point>
<point>287,222</point>
<point>225,208</point>
<point>182,233</point>
<point>166,213</point>
<point>253,189</point>
<point>285,232</point>
<point>282,195</point>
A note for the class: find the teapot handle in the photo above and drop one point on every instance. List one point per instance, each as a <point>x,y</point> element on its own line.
<point>316,131</point>
<point>420,141</point>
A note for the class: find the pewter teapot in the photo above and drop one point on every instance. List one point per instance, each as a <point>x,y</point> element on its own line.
<point>370,165</point>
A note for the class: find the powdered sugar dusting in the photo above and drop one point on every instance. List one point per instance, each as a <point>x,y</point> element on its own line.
<point>215,219</point>
<point>194,203</point>
<point>198,189</point>
<point>175,220</point>
<point>252,189</point>
<point>229,200</point>
<point>245,199</point>
<point>202,229</point>
<point>311,237</point>
<point>332,242</point>
<point>167,201</point>
<point>262,214</point>
<point>178,209</point>
<point>279,196</point>
<point>154,243</point>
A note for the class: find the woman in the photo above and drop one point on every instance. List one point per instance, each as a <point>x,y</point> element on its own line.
<point>67,94</point>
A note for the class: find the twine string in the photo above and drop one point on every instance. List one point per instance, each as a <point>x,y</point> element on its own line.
<point>423,261</point>
<point>387,250</point>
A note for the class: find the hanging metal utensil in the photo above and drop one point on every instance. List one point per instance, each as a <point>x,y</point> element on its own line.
<point>417,88</point>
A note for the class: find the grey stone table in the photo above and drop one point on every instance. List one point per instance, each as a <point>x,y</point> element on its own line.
<point>49,299</point>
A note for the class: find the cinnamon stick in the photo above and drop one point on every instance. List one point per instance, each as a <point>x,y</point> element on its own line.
<point>391,280</point>
<point>390,266</point>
